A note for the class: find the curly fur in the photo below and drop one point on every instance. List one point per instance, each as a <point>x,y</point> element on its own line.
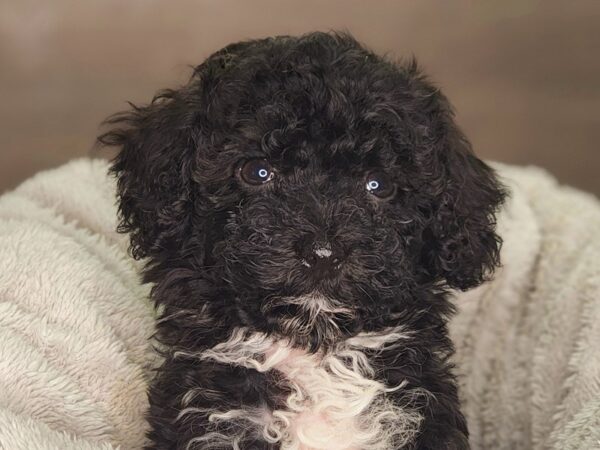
<point>327,393</point>
<point>224,260</point>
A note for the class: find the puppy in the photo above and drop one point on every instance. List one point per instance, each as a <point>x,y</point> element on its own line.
<point>304,207</point>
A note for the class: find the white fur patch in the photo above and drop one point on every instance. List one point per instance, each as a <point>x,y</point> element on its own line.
<point>319,314</point>
<point>335,403</point>
<point>323,252</point>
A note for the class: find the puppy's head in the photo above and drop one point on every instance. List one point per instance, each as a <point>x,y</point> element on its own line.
<point>311,187</point>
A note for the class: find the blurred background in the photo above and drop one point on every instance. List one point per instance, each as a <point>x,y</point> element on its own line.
<point>523,75</point>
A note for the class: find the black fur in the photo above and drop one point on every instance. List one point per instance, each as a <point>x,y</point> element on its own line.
<point>324,111</point>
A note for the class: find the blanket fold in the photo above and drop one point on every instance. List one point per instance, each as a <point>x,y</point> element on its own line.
<point>75,321</point>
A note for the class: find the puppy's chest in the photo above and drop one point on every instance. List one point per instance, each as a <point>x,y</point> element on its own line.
<point>331,401</point>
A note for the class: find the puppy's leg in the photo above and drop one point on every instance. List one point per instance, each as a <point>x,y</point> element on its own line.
<point>432,389</point>
<point>444,427</point>
<point>209,405</point>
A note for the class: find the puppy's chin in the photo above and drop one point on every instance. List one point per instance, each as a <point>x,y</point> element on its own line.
<point>313,321</point>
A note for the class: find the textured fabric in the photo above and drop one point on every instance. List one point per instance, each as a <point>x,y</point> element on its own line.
<point>74,320</point>
<point>529,342</point>
<point>75,355</point>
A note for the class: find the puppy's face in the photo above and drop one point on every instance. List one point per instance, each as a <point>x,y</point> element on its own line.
<point>307,186</point>
<point>320,219</point>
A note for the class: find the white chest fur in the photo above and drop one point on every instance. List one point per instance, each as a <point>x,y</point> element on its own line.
<point>334,402</point>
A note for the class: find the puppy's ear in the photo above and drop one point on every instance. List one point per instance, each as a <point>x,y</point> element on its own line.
<point>156,147</point>
<point>460,242</point>
<point>465,248</point>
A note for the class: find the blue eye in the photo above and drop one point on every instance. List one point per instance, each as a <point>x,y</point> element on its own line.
<point>372,185</point>
<point>256,171</point>
<point>380,184</point>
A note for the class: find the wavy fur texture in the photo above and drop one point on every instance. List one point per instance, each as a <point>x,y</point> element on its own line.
<point>225,256</point>
<point>333,400</point>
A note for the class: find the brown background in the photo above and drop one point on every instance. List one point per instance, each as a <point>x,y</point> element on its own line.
<point>523,75</point>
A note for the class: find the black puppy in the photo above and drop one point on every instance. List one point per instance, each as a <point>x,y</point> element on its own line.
<point>304,206</point>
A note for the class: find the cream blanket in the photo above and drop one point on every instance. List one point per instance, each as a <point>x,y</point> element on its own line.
<point>75,355</point>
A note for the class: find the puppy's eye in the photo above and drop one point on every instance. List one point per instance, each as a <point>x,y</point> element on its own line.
<point>380,185</point>
<point>256,171</point>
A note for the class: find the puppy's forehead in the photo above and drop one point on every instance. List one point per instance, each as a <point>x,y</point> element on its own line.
<point>330,125</point>
<point>300,103</point>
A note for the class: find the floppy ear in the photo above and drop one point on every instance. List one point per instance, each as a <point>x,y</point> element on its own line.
<point>460,242</point>
<point>155,166</point>
<point>156,144</point>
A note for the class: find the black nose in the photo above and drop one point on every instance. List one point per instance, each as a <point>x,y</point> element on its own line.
<point>321,256</point>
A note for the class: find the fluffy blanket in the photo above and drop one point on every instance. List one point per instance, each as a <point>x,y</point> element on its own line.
<point>75,322</point>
